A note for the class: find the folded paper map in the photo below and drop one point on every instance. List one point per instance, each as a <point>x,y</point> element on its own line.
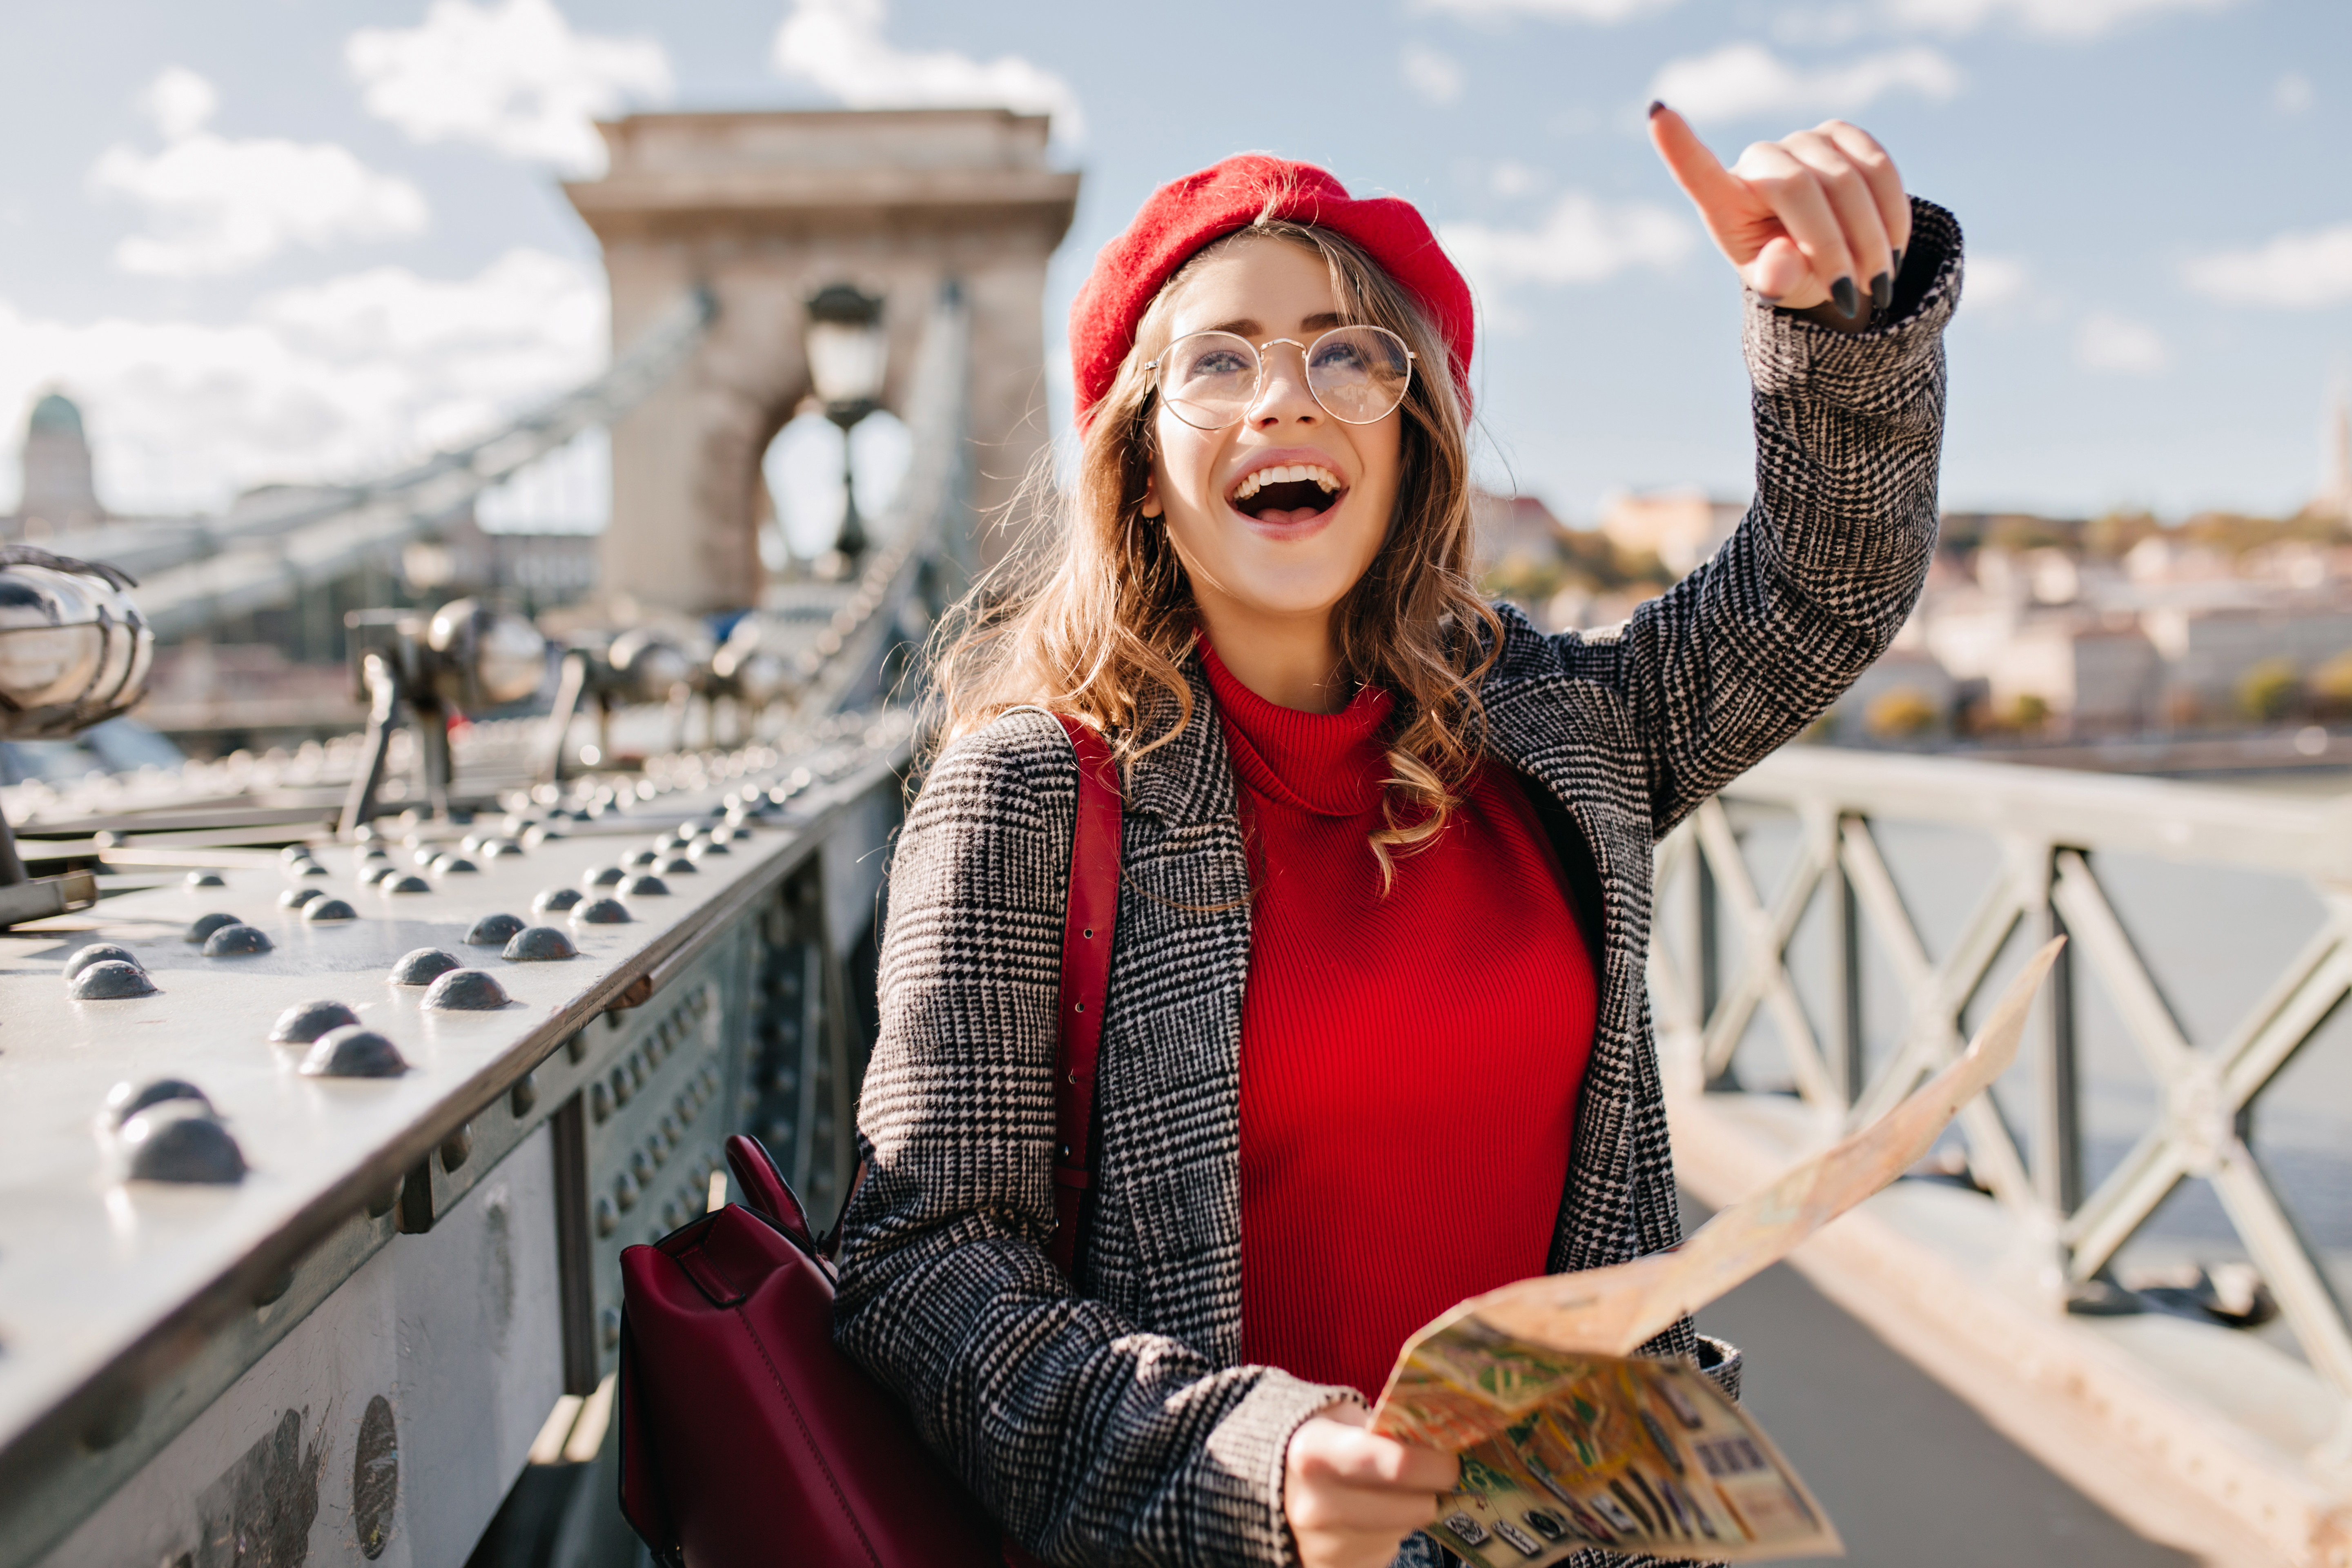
<point>1569,1440</point>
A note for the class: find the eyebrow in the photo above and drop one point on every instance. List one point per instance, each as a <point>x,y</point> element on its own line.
<point>1247,327</point>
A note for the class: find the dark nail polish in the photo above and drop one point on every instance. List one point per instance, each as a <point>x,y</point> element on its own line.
<point>1897,267</point>
<point>1655,105</point>
<point>1882,292</point>
<point>1849,302</point>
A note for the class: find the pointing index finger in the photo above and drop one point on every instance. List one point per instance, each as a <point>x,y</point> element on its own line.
<point>1695,167</point>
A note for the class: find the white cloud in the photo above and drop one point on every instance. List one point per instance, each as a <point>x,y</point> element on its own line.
<point>1602,11</point>
<point>217,205</point>
<point>838,45</point>
<point>2294,272</point>
<point>1739,80</point>
<point>1510,178</point>
<point>1434,77</point>
<point>2056,19</point>
<point>1579,241</point>
<point>339,380</point>
<point>2121,345</point>
<point>2292,94</point>
<point>179,101</point>
<point>1995,281</point>
<point>514,78</point>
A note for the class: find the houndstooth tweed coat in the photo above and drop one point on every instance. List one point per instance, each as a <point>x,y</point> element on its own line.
<point>1107,1419</point>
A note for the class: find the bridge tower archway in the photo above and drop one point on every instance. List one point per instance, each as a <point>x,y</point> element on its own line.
<point>763,209</point>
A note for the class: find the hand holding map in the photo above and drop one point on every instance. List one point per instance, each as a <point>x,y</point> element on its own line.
<point>1569,1440</point>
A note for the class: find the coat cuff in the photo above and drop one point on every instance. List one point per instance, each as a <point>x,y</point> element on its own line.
<point>1787,353</point>
<point>1250,1450</point>
<point>1721,1360</point>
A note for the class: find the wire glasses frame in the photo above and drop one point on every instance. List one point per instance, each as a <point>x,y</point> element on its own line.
<point>1358,375</point>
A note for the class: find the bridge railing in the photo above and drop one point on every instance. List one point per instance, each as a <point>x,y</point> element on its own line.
<point>1899,887</point>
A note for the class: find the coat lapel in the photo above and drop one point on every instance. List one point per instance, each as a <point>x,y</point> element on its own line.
<point>1170,1090</point>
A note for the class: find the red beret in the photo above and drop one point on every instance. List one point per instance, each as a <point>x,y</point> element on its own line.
<point>1185,214</point>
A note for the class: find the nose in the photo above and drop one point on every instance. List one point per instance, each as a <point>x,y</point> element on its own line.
<point>1283,396</point>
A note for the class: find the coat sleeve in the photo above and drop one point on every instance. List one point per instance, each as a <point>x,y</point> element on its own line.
<point>1091,1440</point>
<point>1752,646</point>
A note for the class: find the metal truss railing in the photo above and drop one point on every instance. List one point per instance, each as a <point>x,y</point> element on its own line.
<point>2050,830</point>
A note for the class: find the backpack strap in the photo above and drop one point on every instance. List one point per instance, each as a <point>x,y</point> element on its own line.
<point>1092,913</point>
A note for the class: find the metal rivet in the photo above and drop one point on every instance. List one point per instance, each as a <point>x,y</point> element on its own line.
<point>424,965</point>
<point>608,1327</point>
<point>406,884</point>
<point>539,944</point>
<point>608,1219</point>
<point>274,1290</point>
<point>328,910</point>
<point>126,1100</point>
<point>381,1203</point>
<point>577,1048</point>
<point>658,1149</point>
<point>453,865</point>
<point>493,931</point>
<point>678,866</point>
<point>623,1086</point>
<point>644,886</point>
<point>641,858</point>
<point>99,952</point>
<point>523,1095</point>
<point>110,980</point>
<point>237,941</point>
<point>604,877</point>
<point>600,1101</point>
<point>458,1148</point>
<point>206,879</point>
<point>295,898</point>
<point>602,912</point>
<point>465,990</point>
<point>555,900</point>
<point>306,1021</point>
<point>354,1052</point>
<point>625,1190</point>
<point>1090,930</point>
<point>202,928</point>
<point>187,1149</point>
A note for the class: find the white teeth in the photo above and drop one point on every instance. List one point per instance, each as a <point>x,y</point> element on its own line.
<point>1287,474</point>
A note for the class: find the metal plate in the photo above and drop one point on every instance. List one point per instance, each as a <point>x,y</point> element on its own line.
<point>110,1290</point>
<point>387,1426</point>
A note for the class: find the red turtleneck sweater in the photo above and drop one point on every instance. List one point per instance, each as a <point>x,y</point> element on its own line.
<point>1409,1061</point>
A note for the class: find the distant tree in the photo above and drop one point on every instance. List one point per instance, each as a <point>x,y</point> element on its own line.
<point>2266,692</point>
<point>2026,710</point>
<point>2331,687</point>
<point>1900,713</point>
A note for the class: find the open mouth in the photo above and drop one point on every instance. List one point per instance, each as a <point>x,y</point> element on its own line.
<point>1287,492</point>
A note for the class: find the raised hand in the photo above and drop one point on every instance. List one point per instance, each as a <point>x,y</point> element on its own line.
<point>1818,218</point>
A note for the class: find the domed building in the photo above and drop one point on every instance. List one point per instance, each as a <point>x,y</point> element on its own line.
<point>59,494</point>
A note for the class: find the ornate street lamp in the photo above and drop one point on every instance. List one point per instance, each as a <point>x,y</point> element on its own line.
<point>73,651</point>
<point>847,352</point>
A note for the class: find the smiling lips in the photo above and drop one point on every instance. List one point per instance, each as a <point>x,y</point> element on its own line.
<point>1287,492</point>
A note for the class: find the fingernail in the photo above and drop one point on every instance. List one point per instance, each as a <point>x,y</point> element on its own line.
<point>1655,105</point>
<point>1882,292</point>
<point>1897,267</point>
<point>1849,302</point>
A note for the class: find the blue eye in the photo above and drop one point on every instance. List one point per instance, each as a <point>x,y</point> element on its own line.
<point>1340,356</point>
<point>1218,361</point>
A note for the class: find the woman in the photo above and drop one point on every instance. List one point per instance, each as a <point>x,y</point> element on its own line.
<point>1377,1037</point>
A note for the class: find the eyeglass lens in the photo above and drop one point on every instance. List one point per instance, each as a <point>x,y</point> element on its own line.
<point>1359,374</point>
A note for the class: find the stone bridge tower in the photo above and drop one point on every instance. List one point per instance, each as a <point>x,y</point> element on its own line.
<point>764,209</point>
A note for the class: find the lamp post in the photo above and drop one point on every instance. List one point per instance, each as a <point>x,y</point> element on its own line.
<point>846,354</point>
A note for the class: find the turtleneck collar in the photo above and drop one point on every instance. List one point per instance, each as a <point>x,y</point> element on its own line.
<point>1330,763</point>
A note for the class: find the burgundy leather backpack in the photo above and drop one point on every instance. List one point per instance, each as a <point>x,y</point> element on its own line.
<point>746,1438</point>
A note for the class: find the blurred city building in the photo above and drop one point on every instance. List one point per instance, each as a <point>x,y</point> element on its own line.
<point>59,494</point>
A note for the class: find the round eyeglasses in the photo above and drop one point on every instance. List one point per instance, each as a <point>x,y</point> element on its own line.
<point>1358,375</point>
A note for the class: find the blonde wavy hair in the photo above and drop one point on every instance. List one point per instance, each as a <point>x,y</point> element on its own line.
<point>1098,621</point>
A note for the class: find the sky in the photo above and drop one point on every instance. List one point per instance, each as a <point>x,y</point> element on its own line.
<point>262,241</point>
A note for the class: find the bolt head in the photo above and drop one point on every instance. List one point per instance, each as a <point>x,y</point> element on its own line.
<point>493,931</point>
<point>354,1052</point>
<point>466,991</point>
<point>423,966</point>
<point>237,941</point>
